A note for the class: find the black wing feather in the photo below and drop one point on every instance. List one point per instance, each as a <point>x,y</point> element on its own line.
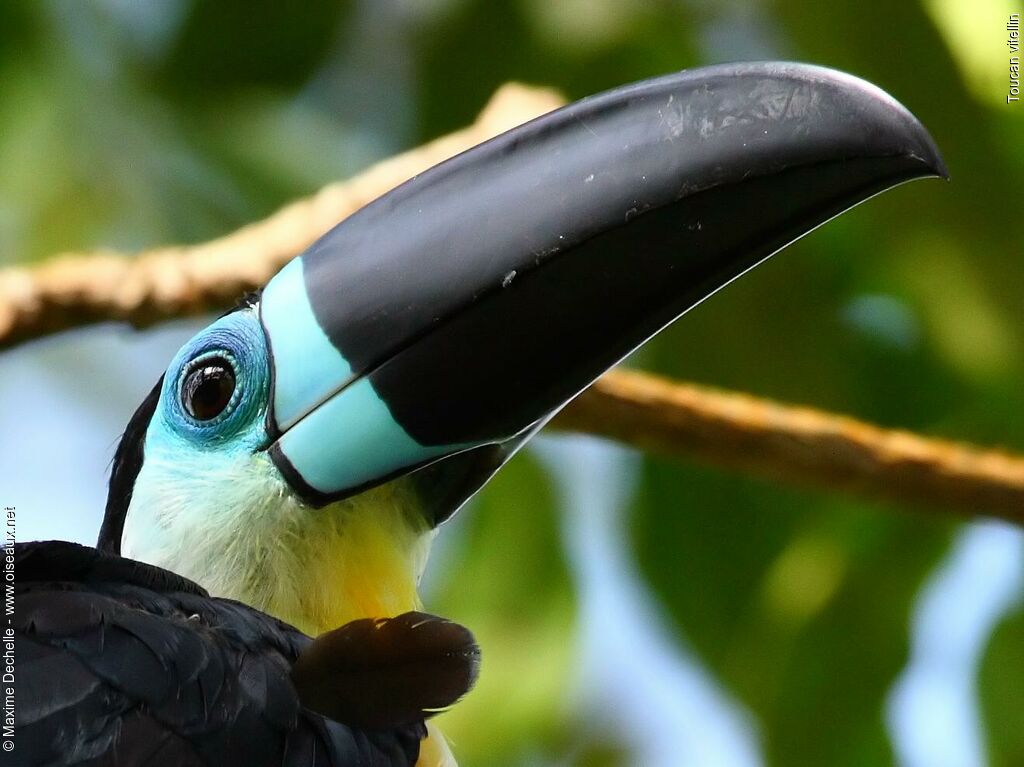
<point>120,663</point>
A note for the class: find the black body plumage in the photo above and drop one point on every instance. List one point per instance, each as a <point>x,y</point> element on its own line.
<point>121,663</point>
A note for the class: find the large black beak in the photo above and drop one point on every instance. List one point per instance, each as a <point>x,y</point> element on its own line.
<point>467,305</point>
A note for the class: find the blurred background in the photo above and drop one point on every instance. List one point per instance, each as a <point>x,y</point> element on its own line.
<point>631,610</point>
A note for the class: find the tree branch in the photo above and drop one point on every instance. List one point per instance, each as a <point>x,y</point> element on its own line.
<point>72,290</point>
<point>736,431</point>
<point>797,444</point>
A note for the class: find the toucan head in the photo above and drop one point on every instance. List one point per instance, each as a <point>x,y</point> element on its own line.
<point>336,418</point>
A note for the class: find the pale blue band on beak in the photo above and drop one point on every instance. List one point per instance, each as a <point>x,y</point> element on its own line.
<point>308,368</point>
<point>352,440</point>
<point>336,432</point>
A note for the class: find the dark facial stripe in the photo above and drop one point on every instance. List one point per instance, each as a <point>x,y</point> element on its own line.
<point>124,471</point>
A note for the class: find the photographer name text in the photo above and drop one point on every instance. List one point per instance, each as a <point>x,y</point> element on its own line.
<point>7,638</point>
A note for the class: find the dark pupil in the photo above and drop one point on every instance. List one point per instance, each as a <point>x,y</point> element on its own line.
<point>208,388</point>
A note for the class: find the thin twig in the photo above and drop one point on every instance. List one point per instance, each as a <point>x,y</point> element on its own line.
<point>736,431</point>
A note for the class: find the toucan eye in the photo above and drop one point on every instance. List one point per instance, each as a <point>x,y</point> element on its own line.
<point>207,388</point>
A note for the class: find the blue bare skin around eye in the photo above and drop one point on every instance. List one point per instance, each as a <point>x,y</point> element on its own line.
<point>237,336</point>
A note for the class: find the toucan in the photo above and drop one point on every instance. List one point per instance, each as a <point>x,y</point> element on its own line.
<point>287,474</point>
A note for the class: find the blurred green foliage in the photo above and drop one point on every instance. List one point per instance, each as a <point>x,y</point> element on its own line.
<point>1000,683</point>
<point>130,124</point>
<point>509,580</point>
